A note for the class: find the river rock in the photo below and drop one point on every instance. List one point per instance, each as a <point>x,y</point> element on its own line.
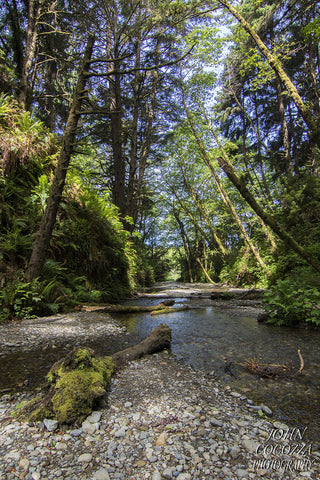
<point>167,473</point>
<point>13,455</point>
<point>85,458</point>
<point>249,444</point>
<point>89,428</point>
<point>24,464</point>
<point>101,474</point>
<point>121,432</point>
<point>242,473</point>
<point>51,425</point>
<point>95,417</point>
<point>266,410</point>
<point>234,452</point>
<point>162,439</point>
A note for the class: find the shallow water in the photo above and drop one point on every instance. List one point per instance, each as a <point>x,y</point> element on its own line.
<point>215,340</point>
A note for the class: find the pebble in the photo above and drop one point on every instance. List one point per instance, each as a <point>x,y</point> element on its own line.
<point>24,464</point>
<point>162,439</point>
<point>250,445</point>
<point>178,424</point>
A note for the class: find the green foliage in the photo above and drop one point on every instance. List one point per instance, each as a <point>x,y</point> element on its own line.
<point>41,192</point>
<point>91,256</point>
<point>20,299</point>
<point>290,303</point>
<point>24,140</point>
<point>312,29</point>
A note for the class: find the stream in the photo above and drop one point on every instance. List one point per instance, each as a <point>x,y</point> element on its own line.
<point>215,337</point>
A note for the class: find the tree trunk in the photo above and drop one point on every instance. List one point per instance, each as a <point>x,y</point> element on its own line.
<point>133,168</point>
<point>40,248</point>
<point>25,95</point>
<point>115,108</point>
<point>78,381</point>
<point>127,308</point>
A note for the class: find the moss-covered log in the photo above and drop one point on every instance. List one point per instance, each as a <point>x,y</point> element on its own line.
<point>74,386</point>
<point>76,383</point>
<point>166,310</point>
<point>127,308</point>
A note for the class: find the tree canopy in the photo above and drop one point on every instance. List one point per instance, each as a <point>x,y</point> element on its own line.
<point>148,138</point>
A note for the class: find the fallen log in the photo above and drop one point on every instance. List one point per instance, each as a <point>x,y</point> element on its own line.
<point>159,339</point>
<point>126,308</point>
<point>75,384</point>
<point>170,310</point>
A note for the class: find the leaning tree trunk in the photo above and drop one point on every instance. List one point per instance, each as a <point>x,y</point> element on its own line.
<point>40,248</point>
<point>268,219</point>
<point>223,193</point>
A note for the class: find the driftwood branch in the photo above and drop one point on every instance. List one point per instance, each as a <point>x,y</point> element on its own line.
<point>272,370</point>
<point>301,362</point>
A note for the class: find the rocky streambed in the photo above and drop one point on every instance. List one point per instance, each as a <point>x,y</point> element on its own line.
<point>162,420</point>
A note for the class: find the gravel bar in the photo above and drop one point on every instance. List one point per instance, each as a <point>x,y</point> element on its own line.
<point>161,420</point>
